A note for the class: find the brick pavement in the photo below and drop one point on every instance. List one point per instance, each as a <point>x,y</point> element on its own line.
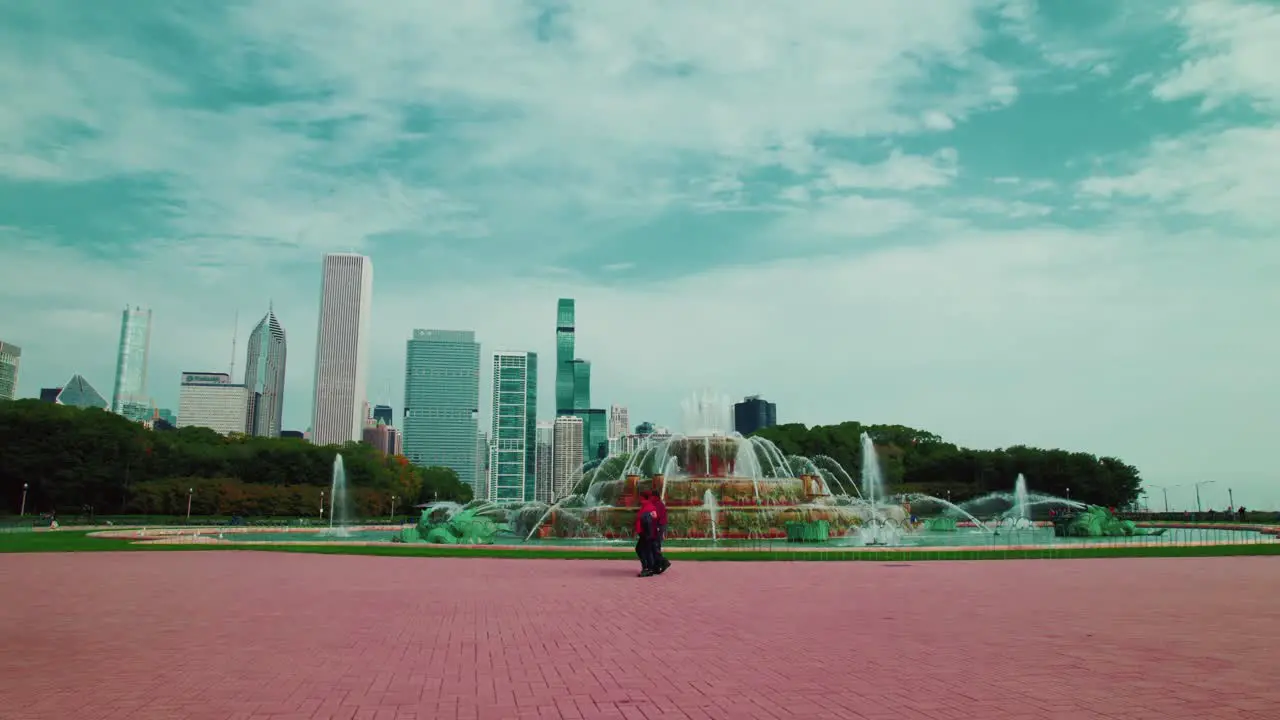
<point>258,636</point>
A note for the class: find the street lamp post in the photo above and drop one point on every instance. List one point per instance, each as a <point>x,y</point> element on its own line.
<point>322,505</point>
<point>23,511</point>
<point>190,493</point>
<point>393,508</point>
<point>1068,494</point>
<point>1202,482</point>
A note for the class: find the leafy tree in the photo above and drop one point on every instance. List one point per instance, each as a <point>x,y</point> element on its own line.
<point>918,461</point>
<point>442,483</point>
<point>72,457</point>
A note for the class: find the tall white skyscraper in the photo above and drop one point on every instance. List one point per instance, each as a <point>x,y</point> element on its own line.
<point>544,434</point>
<point>264,377</point>
<point>566,456</point>
<point>129,398</point>
<point>342,350</point>
<point>513,457</point>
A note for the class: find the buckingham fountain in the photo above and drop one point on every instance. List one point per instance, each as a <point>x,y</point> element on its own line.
<point>719,485</point>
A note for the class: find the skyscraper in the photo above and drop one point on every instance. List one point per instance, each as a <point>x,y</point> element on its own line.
<point>573,382</point>
<point>264,377</point>
<point>342,349</point>
<point>566,463</point>
<point>581,385</point>
<point>564,356</point>
<point>442,401</point>
<point>481,491</point>
<point>10,360</point>
<point>513,450</point>
<point>385,415</point>
<point>211,400</point>
<point>619,425</point>
<point>545,437</point>
<point>129,398</point>
<point>754,413</point>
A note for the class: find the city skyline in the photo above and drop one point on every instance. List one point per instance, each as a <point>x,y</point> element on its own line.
<point>1001,221</point>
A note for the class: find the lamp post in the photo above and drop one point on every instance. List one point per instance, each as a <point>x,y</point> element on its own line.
<point>1068,494</point>
<point>1202,482</point>
<point>190,492</point>
<point>393,508</point>
<point>23,511</point>
<point>321,505</point>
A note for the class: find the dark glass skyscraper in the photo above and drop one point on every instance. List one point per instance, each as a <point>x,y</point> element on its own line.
<point>754,413</point>
<point>573,384</point>
<point>442,401</point>
<point>564,356</point>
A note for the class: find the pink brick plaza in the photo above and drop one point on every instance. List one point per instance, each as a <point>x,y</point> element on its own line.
<point>257,635</point>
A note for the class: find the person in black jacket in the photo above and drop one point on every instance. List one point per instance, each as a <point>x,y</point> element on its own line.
<point>647,535</point>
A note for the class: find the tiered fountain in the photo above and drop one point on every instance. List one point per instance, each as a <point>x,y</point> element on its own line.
<point>716,484</point>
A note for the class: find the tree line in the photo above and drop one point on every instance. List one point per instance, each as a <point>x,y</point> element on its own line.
<point>72,459</point>
<point>918,461</point>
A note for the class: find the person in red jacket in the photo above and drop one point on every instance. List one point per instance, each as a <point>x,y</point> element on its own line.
<point>646,535</point>
<point>660,561</point>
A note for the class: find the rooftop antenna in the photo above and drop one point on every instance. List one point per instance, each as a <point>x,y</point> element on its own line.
<point>235,330</point>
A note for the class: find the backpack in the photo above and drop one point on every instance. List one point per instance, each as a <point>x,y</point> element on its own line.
<point>648,526</point>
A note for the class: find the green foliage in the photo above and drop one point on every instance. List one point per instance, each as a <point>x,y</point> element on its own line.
<point>442,483</point>
<point>919,461</point>
<point>73,458</point>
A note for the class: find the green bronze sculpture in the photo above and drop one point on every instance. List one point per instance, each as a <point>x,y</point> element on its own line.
<point>1095,521</point>
<point>464,527</point>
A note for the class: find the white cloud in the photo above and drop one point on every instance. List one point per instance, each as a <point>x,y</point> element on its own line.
<point>1229,174</point>
<point>1233,54</point>
<point>621,91</point>
<point>899,172</point>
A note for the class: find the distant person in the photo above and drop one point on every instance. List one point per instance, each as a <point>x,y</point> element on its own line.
<point>646,534</point>
<point>1240,513</point>
<point>661,563</point>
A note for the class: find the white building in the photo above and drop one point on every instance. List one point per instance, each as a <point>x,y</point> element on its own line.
<point>566,456</point>
<point>512,450</point>
<point>209,399</point>
<point>545,439</point>
<point>619,425</point>
<point>10,361</point>
<point>342,350</point>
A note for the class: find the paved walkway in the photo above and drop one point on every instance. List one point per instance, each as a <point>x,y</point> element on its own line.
<point>253,635</point>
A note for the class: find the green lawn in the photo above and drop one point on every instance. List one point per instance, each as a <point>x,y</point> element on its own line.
<point>77,541</point>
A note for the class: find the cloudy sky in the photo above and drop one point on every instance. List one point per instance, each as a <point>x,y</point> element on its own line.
<point>1004,221</point>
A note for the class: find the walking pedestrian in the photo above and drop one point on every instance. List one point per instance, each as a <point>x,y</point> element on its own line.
<point>646,535</point>
<point>661,563</point>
